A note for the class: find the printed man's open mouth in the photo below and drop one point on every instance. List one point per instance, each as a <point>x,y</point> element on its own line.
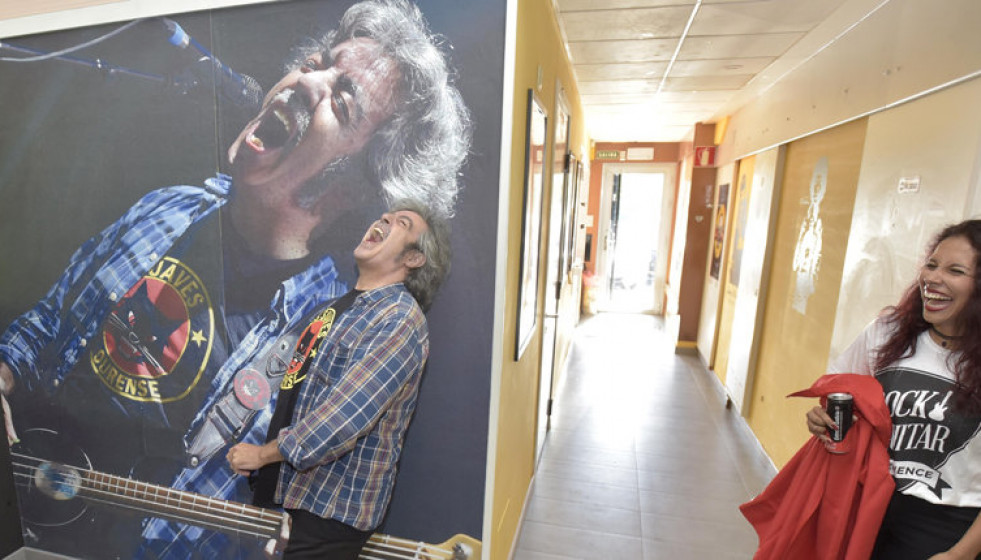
<point>284,123</point>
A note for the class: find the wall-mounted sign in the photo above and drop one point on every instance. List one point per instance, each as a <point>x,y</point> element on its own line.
<point>909,184</point>
<point>640,153</point>
<point>704,156</point>
<point>607,154</point>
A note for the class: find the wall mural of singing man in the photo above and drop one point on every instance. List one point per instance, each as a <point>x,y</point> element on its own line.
<point>172,328</point>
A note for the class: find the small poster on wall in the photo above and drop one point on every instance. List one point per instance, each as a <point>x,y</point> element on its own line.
<point>740,221</point>
<point>719,238</point>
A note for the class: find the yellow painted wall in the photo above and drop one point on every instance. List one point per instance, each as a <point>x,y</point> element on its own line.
<point>794,345</point>
<point>539,48</point>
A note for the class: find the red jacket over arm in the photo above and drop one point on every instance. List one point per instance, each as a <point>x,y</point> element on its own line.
<point>823,506</point>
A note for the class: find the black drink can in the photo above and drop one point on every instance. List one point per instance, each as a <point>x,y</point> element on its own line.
<point>840,410</point>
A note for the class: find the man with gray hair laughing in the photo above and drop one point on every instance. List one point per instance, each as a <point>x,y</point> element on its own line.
<point>344,406</point>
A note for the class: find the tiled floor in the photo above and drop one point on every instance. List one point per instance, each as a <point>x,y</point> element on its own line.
<point>643,460</point>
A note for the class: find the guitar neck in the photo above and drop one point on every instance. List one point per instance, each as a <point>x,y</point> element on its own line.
<point>178,505</point>
<point>222,515</point>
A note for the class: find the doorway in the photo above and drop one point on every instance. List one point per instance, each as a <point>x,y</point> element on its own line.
<point>636,210</point>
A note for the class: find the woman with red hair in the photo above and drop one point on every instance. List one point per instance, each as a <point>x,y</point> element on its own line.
<point>926,354</point>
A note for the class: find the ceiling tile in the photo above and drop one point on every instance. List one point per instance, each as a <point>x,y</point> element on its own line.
<point>698,83</point>
<point>619,86</point>
<point>694,107</point>
<point>593,5</point>
<point>729,46</point>
<point>720,66</point>
<point>641,23</point>
<point>695,96</point>
<point>700,99</point>
<point>622,51</point>
<point>617,98</point>
<point>633,70</point>
<point>661,114</point>
<point>769,16</point>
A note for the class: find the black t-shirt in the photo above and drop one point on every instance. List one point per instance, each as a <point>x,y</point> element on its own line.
<point>131,398</point>
<point>265,479</point>
<point>251,281</point>
<point>133,394</point>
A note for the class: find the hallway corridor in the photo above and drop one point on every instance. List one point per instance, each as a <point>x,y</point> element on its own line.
<point>643,461</point>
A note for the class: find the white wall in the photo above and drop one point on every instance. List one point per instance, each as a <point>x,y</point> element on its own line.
<point>938,140</point>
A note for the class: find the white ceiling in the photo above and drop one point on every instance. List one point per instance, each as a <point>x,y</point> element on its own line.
<point>648,70</point>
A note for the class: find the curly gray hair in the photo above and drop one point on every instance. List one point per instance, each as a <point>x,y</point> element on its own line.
<point>417,154</point>
<point>434,244</point>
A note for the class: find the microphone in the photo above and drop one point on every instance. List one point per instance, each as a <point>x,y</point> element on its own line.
<point>240,89</point>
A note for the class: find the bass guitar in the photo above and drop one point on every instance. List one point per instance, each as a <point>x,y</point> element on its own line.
<point>41,479</point>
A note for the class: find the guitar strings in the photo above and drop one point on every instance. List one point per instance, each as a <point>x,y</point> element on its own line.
<point>212,512</point>
<point>264,522</point>
<point>213,521</point>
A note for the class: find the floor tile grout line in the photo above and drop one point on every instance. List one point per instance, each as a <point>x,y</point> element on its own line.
<point>680,375</point>
<point>579,529</point>
<point>575,528</point>
<point>576,502</point>
<point>727,412</point>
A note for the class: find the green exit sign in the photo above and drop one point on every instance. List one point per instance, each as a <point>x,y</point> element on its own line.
<point>607,154</point>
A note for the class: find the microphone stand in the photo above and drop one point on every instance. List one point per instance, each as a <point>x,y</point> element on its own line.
<point>203,68</point>
<point>184,82</point>
<point>98,64</point>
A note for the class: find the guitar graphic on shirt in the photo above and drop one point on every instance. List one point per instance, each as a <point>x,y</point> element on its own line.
<point>141,330</point>
<point>55,494</point>
<point>939,410</point>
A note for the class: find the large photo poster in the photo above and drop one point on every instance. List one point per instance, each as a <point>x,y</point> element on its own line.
<point>223,230</point>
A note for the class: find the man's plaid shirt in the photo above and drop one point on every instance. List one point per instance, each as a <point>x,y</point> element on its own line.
<point>353,409</point>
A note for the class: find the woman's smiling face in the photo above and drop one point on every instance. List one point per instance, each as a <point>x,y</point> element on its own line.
<point>947,283</point>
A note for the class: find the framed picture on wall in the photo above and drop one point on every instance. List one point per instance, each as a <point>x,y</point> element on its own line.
<point>531,224</point>
<point>577,215</point>
<point>568,211</point>
<point>560,186</point>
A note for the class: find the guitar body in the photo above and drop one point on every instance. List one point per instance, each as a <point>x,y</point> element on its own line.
<point>53,515</point>
<point>37,508</point>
